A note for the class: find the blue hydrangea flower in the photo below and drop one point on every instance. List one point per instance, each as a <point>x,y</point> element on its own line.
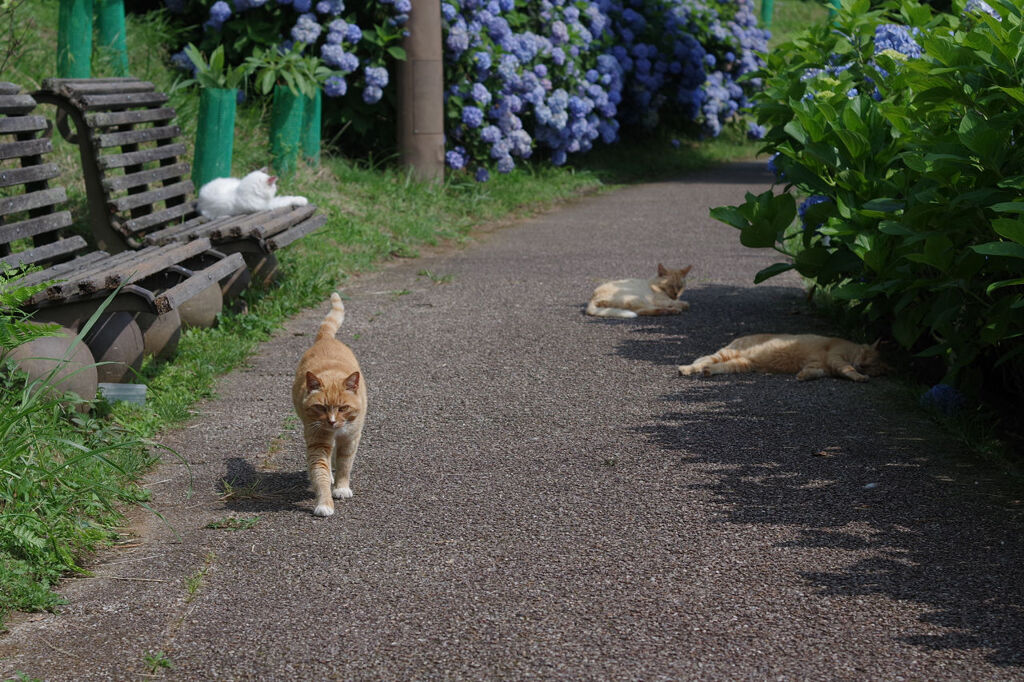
<point>481,94</point>
<point>372,94</point>
<point>482,174</point>
<point>456,158</point>
<point>897,38</point>
<point>376,76</point>
<point>944,399</point>
<point>219,13</point>
<point>306,30</point>
<point>472,116</point>
<point>302,6</point>
<point>353,33</point>
<point>335,86</point>
<point>181,61</point>
<point>801,211</point>
<point>981,6</point>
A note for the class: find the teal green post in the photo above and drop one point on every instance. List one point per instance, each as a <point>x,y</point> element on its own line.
<point>110,22</point>
<point>74,39</point>
<point>767,6</point>
<point>215,135</point>
<point>285,129</point>
<point>836,6</point>
<point>311,117</point>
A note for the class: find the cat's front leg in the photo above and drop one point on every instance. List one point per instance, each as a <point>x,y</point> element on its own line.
<point>318,463</point>
<point>810,372</point>
<point>288,201</point>
<point>344,454</point>
<point>850,372</point>
<point>682,305</point>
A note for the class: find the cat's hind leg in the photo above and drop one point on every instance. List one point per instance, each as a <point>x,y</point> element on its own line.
<point>697,366</point>
<point>318,464</point>
<point>735,365</point>
<point>344,453</point>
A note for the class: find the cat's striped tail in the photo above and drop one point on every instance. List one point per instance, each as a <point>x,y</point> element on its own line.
<point>329,327</point>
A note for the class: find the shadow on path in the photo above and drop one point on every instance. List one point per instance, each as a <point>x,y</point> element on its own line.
<point>870,492</point>
<point>263,491</point>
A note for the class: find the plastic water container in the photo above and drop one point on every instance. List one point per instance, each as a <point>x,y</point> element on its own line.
<point>131,393</point>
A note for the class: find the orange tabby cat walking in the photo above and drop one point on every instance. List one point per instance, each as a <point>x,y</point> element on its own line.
<point>330,398</point>
<point>808,355</point>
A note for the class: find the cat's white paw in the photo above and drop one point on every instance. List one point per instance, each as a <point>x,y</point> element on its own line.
<point>323,510</point>
<point>342,493</point>
<point>686,370</point>
<point>299,201</point>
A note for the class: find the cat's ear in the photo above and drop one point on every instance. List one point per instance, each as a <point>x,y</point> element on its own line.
<point>271,180</point>
<point>661,270</point>
<point>685,271</point>
<point>874,346</point>
<point>352,382</point>
<point>312,383</point>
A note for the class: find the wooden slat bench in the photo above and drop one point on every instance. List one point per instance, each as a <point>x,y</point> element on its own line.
<point>139,188</point>
<point>155,281</point>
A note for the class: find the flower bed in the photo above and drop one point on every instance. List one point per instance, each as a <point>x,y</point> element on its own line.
<point>553,77</point>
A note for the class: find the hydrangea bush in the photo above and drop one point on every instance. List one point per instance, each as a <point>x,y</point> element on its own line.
<point>356,42</point>
<point>561,75</point>
<point>902,125</point>
<point>551,78</point>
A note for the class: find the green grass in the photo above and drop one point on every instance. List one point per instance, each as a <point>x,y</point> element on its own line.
<point>792,16</point>
<point>375,211</point>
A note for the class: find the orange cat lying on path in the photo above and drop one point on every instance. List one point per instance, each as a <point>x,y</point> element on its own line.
<point>632,297</point>
<point>330,399</point>
<point>808,355</point>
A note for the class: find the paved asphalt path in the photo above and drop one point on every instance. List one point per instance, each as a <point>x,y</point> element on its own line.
<point>538,495</point>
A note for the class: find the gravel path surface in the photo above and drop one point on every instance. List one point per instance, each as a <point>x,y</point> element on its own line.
<point>539,495</point>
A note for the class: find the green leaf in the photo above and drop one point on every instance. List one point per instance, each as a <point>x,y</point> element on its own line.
<point>730,215</point>
<point>980,136</point>
<point>759,234</point>
<point>796,131</point>
<point>850,291</point>
<point>810,261</point>
<point>1016,93</point>
<point>1009,207</point>
<point>883,205</point>
<point>1008,249</point>
<point>771,271</point>
<point>397,53</point>
<point>1011,229</point>
<point>1004,283</point>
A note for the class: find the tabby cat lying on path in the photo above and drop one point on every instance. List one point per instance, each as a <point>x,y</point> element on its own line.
<point>330,399</point>
<point>632,297</point>
<point>808,355</point>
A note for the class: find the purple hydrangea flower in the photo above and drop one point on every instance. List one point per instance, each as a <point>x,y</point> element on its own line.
<point>482,174</point>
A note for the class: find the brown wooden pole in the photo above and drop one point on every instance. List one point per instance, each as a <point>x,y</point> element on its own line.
<point>421,94</point>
